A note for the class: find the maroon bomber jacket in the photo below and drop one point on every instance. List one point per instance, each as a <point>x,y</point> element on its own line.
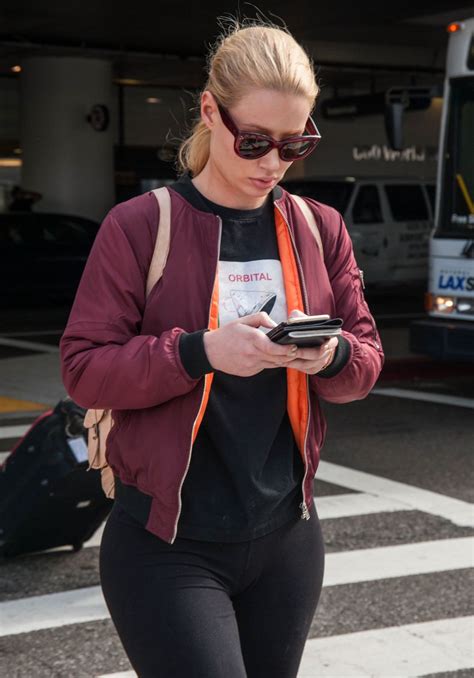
<point>120,351</point>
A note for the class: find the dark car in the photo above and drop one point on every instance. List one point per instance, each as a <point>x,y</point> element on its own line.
<point>42,256</point>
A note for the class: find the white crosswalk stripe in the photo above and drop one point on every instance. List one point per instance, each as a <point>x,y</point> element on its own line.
<point>356,504</point>
<point>34,345</point>
<point>408,650</point>
<point>13,431</point>
<point>458,511</point>
<point>426,397</point>
<point>349,567</point>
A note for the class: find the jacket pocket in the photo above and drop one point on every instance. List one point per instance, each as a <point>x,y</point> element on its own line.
<point>358,285</point>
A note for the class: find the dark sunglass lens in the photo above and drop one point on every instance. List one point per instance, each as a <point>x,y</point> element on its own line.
<point>251,146</point>
<point>297,149</point>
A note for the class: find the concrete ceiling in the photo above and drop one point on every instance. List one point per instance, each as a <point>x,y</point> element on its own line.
<point>136,35</point>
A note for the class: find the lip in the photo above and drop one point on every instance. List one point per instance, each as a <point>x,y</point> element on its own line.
<point>264,183</point>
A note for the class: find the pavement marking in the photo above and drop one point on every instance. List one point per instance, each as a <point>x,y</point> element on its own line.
<point>335,506</point>
<point>403,560</point>
<point>13,405</point>
<point>94,541</point>
<point>410,651</point>
<point>27,415</point>
<point>347,567</point>
<point>356,504</point>
<point>52,610</point>
<point>423,395</point>
<point>13,431</point>
<point>33,345</point>
<point>96,537</point>
<point>457,511</point>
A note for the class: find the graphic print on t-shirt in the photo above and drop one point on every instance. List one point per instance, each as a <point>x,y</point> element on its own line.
<point>247,287</point>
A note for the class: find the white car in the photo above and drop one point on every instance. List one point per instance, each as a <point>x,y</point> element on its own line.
<point>389,221</point>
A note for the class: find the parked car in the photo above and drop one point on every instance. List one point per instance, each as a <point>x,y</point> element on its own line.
<point>389,221</point>
<point>42,256</point>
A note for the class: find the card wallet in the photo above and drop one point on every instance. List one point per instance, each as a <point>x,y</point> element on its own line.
<point>310,333</point>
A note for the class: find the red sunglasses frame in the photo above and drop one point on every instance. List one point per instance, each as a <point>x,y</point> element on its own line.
<point>313,136</point>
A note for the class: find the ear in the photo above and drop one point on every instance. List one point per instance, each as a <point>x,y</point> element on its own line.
<point>209,112</point>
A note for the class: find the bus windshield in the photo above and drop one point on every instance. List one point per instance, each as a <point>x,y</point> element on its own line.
<point>457,197</point>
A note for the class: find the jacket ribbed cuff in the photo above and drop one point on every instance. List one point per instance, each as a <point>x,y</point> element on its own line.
<point>193,354</point>
<point>340,360</point>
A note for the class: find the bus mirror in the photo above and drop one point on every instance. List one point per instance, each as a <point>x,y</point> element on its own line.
<point>401,99</point>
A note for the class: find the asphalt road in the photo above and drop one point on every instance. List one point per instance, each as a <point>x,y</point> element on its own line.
<point>394,493</point>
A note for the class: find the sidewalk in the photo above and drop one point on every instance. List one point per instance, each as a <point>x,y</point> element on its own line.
<point>34,380</point>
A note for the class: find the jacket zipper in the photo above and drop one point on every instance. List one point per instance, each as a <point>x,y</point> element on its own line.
<point>202,399</point>
<point>303,506</point>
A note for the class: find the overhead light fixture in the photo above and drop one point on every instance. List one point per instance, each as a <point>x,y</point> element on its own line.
<point>153,100</point>
<point>16,69</point>
<point>10,162</point>
<point>129,81</point>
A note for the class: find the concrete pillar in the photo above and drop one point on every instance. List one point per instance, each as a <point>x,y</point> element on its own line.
<point>64,157</point>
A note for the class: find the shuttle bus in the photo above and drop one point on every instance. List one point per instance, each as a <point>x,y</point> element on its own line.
<point>447,332</point>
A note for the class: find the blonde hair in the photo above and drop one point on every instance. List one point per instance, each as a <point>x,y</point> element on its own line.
<point>259,56</point>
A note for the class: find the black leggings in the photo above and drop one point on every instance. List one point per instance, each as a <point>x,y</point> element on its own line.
<point>196,609</point>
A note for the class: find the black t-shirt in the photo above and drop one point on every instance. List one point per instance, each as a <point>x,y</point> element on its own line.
<point>245,474</point>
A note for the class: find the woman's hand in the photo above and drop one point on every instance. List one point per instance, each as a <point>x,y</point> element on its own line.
<point>313,360</point>
<point>239,348</point>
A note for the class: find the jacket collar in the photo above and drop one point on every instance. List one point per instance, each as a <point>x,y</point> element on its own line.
<point>185,189</point>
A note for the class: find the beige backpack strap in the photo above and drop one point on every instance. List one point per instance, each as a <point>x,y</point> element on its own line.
<point>100,422</point>
<point>162,242</point>
<point>309,216</point>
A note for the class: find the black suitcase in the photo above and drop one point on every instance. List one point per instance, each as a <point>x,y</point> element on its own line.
<point>47,496</point>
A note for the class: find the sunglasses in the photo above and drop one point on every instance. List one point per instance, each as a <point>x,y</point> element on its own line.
<point>251,145</point>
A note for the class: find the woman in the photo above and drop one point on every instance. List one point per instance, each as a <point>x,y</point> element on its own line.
<point>212,558</point>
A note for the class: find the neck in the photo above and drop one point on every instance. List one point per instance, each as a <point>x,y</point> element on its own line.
<point>214,186</point>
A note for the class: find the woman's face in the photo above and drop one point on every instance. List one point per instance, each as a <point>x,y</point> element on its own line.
<point>276,114</point>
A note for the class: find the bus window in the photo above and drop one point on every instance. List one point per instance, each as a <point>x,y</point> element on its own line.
<point>367,209</point>
<point>407,202</point>
<point>457,197</point>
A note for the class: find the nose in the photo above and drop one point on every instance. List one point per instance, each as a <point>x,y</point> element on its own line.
<point>271,162</point>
